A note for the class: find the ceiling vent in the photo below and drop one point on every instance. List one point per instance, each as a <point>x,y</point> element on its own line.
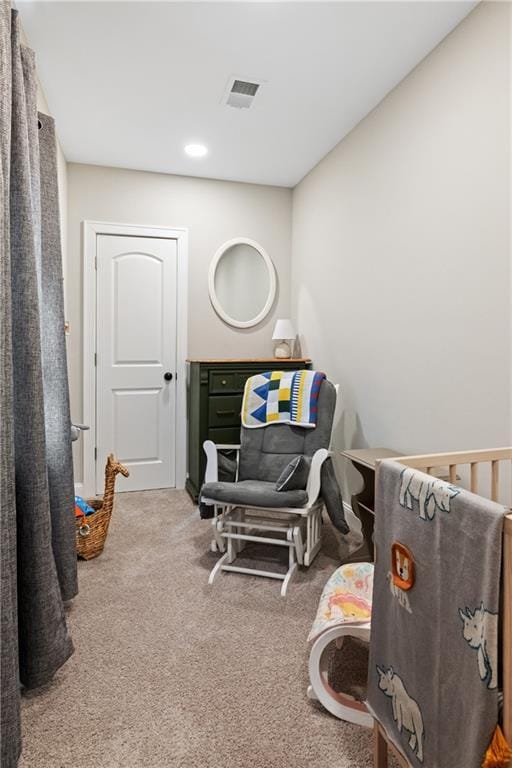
<point>240,93</point>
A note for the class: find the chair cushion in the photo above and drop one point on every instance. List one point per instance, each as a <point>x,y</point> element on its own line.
<point>294,476</point>
<point>253,493</point>
<point>266,452</point>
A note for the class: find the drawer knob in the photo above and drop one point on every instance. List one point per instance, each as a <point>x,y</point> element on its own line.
<point>224,382</point>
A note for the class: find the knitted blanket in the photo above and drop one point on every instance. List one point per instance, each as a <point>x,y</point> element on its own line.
<point>281,397</point>
<point>433,670</point>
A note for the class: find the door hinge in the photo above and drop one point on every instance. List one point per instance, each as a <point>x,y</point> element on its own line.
<point>95,262</point>
<point>95,359</point>
<point>95,454</point>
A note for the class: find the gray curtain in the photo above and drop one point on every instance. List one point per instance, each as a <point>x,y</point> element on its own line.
<point>59,457</point>
<point>37,557</point>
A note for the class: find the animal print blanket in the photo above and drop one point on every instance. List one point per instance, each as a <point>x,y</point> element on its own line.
<point>433,669</point>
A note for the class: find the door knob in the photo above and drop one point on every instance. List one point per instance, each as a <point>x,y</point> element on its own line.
<point>168,376</point>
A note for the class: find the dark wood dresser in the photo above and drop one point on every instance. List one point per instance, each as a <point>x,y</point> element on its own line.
<point>215,389</point>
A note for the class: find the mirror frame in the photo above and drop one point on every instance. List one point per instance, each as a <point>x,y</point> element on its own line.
<point>271,290</point>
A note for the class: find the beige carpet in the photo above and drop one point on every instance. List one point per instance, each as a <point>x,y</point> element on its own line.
<point>171,672</point>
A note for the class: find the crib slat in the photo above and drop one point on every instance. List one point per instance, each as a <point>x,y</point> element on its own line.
<point>495,477</point>
<point>453,473</point>
<point>474,477</point>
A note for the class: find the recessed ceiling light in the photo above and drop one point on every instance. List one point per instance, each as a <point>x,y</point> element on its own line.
<point>196,150</point>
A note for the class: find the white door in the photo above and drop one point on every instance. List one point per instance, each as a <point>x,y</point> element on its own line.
<point>136,359</point>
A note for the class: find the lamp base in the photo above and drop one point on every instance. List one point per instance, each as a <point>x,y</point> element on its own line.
<point>282,351</point>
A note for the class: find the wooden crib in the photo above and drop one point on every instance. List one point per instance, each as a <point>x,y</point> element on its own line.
<point>476,468</point>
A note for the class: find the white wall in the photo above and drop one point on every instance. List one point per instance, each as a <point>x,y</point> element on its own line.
<point>400,268</point>
<point>213,211</point>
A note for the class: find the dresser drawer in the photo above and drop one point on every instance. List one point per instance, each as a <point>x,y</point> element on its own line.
<point>241,378</point>
<point>226,435</point>
<point>228,381</point>
<point>224,411</point>
<point>223,381</point>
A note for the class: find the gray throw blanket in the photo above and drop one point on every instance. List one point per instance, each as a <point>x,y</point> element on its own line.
<point>433,669</point>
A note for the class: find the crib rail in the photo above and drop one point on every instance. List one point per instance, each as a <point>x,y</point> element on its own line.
<point>494,457</point>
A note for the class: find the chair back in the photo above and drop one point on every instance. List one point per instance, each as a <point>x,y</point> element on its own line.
<point>266,451</point>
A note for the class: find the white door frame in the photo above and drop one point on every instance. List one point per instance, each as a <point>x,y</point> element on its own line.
<point>90,232</point>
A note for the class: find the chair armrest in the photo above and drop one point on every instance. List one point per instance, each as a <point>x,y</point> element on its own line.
<point>212,458</point>
<point>211,474</point>
<point>314,479</point>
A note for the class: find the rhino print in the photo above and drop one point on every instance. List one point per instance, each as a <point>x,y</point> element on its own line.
<point>480,631</point>
<point>406,711</point>
<point>430,493</point>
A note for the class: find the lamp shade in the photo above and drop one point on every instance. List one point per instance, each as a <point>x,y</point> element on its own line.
<point>284,329</point>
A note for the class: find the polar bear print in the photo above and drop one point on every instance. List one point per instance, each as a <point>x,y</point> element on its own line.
<point>406,711</point>
<point>430,493</point>
<point>480,631</point>
<point>400,594</point>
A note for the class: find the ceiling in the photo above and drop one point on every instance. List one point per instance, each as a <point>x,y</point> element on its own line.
<point>130,83</point>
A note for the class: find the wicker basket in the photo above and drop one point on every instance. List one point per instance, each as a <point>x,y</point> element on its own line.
<point>91,531</point>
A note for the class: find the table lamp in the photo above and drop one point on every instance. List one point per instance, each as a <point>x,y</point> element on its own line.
<point>284,331</point>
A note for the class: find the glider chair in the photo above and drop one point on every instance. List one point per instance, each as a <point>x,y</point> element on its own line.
<point>250,509</point>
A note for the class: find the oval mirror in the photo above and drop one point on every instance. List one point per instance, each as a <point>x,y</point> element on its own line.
<point>242,283</point>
